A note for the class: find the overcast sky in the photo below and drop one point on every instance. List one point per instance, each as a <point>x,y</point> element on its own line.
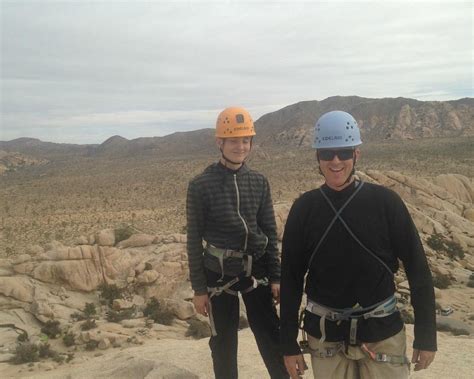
<point>80,72</point>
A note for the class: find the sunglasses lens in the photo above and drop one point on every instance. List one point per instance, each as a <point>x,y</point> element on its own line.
<point>328,155</point>
<point>344,155</point>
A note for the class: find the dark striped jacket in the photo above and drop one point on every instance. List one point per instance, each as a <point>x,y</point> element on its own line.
<point>230,210</point>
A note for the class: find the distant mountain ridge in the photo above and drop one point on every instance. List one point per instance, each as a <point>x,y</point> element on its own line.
<point>379,119</point>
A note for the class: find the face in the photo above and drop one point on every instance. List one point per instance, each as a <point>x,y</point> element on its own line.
<point>235,149</point>
<point>337,170</point>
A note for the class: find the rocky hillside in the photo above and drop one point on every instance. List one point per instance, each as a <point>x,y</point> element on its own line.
<point>55,282</point>
<point>379,119</point>
<point>11,161</point>
<point>177,144</point>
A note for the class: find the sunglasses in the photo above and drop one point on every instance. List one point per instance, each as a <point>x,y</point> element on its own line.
<point>342,154</point>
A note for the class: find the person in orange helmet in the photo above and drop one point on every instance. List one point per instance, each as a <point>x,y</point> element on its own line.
<point>232,248</point>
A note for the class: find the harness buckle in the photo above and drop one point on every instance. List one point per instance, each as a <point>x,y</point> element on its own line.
<point>380,357</point>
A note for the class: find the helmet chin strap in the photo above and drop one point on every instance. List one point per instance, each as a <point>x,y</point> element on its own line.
<point>228,160</point>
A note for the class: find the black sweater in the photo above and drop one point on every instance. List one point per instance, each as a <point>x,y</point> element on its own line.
<point>343,274</point>
<point>230,210</point>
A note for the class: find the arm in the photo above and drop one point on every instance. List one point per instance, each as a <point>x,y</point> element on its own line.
<point>195,217</point>
<point>408,248</point>
<point>293,270</point>
<point>266,222</point>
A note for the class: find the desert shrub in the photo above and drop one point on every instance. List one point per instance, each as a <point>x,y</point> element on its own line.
<point>92,345</point>
<point>51,329</point>
<point>164,316</point>
<point>441,244</point>
<point>436,241</point>
<point>25,352</point>
<point>470,283</point>
<point>151,307</point>
<point>89,310</point>
<point>44,350</point>
<point>154,311</point>
<point>123,233</point>
<point>198,329</point>
<point>454,250</point>
<point>117,316</point>
<point>110,292</point>
<point>22,337</point>
<point>441,281</point>
<point>88,324</point>
<point>148,266</point>
<point>76,316</point>
<point>59,358</point>
<point>69,339</point>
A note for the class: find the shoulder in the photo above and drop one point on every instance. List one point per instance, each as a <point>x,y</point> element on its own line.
<point>208,175</point>
<point>382,194</point>
<point>307,199</point>
<point>379,189</point>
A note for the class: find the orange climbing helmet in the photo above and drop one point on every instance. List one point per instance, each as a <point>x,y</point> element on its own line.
<point>234,122</point>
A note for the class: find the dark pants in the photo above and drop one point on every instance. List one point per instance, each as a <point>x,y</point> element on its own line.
<point>263,321</point>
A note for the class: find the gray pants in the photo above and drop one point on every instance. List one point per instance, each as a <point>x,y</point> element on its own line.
<point>354,364</point>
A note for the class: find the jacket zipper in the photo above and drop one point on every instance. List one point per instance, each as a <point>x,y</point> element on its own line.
<point>238,212</point>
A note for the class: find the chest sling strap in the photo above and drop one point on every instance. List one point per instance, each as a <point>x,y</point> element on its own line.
<point>382,309</point>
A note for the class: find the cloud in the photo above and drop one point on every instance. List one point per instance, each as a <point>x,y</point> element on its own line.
<point>159,67</point>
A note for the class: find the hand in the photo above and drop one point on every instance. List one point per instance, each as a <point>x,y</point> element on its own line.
<point>422,358</point>
<point>295,365</point>
<point>276,292</point>
<point>201,303</point>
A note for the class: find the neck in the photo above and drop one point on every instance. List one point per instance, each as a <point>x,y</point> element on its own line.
<point>231,165</point>
<point>345,185</point>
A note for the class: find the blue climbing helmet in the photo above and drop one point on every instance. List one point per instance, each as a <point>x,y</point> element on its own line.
<point>336,129</point>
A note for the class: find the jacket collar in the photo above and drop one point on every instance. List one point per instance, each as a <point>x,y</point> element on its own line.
<point>242,170</point>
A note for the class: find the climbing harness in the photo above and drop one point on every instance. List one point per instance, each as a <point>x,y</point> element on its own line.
<point>384,358</point>
<point>382,309</point>
<point>221,255</point>
<point>332,351</point>
<point>354,314</point>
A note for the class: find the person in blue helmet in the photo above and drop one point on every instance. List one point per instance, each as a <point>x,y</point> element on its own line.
<point>347,238</point>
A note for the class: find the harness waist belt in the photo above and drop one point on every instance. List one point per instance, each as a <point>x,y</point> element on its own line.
<point>222,254</point>
<point>382,309</point>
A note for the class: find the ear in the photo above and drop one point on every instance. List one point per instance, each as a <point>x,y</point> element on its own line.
<point>357,153</point>
<point>219,142</point>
